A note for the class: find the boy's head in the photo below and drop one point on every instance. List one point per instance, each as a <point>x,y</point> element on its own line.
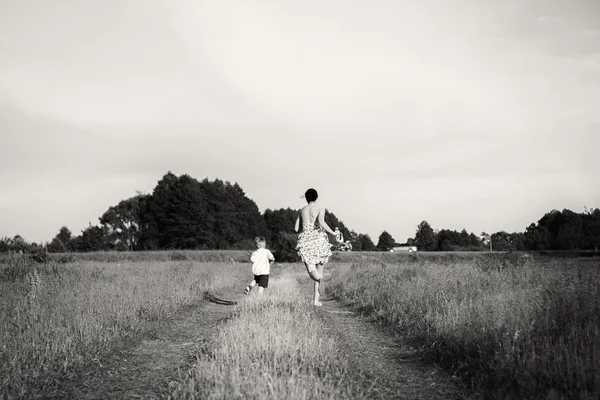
<point>260,241</point>
<point>311,195</point>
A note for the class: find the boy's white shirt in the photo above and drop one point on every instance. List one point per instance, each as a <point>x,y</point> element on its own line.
<point>260,259</point>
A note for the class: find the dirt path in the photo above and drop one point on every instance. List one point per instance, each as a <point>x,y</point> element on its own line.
<point>380,362</point>
<point>148,370</point>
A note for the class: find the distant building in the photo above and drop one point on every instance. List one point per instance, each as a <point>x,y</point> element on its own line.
<point>404,249</point>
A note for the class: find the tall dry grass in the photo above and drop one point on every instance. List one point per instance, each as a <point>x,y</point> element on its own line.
<point>510,326</point>
<point>273,347</point>
<point>55,318</point>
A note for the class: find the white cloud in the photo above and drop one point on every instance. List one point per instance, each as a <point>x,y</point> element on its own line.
<point>590,33</point>
<point>551,20</point>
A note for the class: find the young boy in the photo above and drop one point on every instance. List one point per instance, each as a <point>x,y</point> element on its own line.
<point>261,266</point>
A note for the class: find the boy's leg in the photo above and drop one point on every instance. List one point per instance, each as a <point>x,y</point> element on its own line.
<point>250,286</point>
<point>263,283</point>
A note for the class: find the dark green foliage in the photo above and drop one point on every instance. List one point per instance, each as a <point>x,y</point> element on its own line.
<point>282,220</point>
<point>17,244</point>
<point>363,242</point>
<point>386,242</point>
<point>93,238</point>
<point>183,213</point>
<point>61,242</point>
<point>281,238</point>
<point>425,238</point>
<point>565,230</point>
<point>123,223</point>
<point>285,247</point>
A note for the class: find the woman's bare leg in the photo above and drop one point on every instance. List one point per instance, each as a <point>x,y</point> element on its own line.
<point>313,272</point>
<point>321,288</point>
<point>315,275</point>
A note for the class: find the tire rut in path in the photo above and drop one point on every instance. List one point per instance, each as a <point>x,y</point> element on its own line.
<point>148,370</point>
<point>382,363</point>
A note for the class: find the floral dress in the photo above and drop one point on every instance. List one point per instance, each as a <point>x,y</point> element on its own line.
<point>313,245</point>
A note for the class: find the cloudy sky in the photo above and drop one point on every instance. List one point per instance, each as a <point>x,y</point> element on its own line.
<point>470,114</point>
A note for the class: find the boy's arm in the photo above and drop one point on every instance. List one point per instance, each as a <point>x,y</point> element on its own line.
<point>271,257</point>
<point>253,257</point>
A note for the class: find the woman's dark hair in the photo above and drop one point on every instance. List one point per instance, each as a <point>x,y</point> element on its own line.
<point>311,195</point>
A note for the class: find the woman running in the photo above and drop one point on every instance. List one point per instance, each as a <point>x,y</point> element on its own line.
<point>313,243</point>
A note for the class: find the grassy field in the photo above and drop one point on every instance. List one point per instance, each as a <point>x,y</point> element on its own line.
<point>272,348</point>
<point>57,318</point>
<point>511,326</point>
<point>139,256</point>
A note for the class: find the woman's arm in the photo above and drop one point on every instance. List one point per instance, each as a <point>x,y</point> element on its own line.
<point>297,225</point>
<point>323,224</point>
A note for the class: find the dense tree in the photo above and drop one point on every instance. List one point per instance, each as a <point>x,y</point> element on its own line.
<point>537,238</point>
<point>464,240</point>
<point>450,240</point>
<point>123,222</point>
<point>363,242</point>
<point>474,241</point>
<point>284,247</point>
<point>4,245</point>
<point>282,220</point>
<point>425,237</point>
<point>564,230</point>
<point>386,242</point>
<point>92,238</point>
<point>591,229</point>
<point>16,244</point>
<point>517,240</point>
<point>183,213</point>
<point>501,241</point>
<point>61,242</point>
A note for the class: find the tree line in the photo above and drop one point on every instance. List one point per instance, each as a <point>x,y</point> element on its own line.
<point>556,230</point>
<point>185,213</point>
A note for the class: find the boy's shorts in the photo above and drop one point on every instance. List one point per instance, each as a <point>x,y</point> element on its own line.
<point>262,280</point>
